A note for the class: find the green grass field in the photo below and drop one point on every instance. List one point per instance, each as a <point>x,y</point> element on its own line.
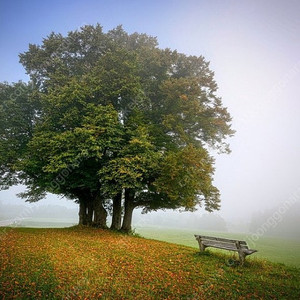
<point>279,250</point>
<point>89,263</point>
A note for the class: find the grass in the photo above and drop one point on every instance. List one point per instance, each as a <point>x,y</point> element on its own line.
<point>279,250</point>
<point>87,263</point>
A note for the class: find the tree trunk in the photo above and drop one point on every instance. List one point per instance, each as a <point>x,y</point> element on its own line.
<point>90,213</point>
<point>100,213</point>
<point>117,209</point>
<point>82,212</point>
<point>129,207</point>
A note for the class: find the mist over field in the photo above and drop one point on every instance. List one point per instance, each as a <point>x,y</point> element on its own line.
<point>278,221</point>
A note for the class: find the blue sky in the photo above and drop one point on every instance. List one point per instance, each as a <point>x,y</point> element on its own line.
<point>23,22</point>
<point>254,49</point>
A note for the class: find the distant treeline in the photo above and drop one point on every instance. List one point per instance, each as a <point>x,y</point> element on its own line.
<point>174,219</point>
<point>281,221</point>
<point>12,211</point>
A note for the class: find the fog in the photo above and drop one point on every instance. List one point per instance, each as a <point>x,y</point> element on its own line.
<point>254,50</point>
<point>278,221</point>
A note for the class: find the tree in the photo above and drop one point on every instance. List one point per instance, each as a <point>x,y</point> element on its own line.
<point>18,113</point>
<point>112,119</point>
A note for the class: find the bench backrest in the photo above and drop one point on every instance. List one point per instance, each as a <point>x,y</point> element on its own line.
<point>221,243</point>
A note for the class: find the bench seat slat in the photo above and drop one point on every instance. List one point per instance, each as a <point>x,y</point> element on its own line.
<point>249,251</point>
<point>226,247</point>
<point>206,242</point>
<point>218,242</point>
<point>219,239</point>
<point>221,243</point>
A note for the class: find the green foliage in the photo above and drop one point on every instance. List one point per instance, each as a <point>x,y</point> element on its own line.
<point>185,176</point>
<point>17,116</point>
<point>111,111</point>
<point>136,163</point>
<point>78,152</point>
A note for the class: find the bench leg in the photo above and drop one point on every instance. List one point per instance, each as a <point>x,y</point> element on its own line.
<point>202,247</point>
<point>242,256</point>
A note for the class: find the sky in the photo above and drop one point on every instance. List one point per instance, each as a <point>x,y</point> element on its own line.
<point>253,48</point>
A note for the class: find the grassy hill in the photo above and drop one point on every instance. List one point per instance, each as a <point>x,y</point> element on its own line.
<point>83,263</point>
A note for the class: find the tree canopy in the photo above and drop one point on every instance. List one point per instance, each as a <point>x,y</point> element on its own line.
<point>113,122</point>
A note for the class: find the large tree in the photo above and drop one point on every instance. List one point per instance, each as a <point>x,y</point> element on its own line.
<point>111,120</point>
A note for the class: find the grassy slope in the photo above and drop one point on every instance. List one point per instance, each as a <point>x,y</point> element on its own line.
<point>82,263</point>
<point>280,250</point>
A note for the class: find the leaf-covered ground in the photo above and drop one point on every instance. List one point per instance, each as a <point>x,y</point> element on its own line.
<point>83,263</point>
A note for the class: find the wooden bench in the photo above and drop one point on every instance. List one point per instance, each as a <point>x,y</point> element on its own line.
<point>233,245</point>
